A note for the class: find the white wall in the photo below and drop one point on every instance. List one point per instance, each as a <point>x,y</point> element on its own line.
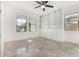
<point>9,23</point>
<point>72,36</point>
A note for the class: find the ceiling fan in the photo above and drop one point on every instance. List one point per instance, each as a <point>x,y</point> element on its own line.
<point>43,4</point>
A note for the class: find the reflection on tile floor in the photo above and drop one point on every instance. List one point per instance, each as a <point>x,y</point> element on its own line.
<point>41,47</point>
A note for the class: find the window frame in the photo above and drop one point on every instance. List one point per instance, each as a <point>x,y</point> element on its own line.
<point>72,16</point>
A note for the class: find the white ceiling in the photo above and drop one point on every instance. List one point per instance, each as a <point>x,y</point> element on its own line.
<point>29,5</point>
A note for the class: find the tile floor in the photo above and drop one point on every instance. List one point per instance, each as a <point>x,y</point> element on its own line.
<point>40,47</point>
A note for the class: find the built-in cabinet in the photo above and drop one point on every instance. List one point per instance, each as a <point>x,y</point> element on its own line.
<point>52,25</point>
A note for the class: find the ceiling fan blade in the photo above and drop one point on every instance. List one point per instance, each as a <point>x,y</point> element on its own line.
<point>38,6</point>
<point>38,2</point>
<point>43,9</point>
<point>49,6</point>
<point>42,2</point>
<point>46,2</point>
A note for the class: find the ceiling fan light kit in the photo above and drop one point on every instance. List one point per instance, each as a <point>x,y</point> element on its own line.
<point>43,4</point>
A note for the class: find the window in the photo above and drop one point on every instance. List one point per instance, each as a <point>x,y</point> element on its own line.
<point>32,25</point>
<point>21,25</point>
<point>44,21</point>
<point>25,24</point>
<point>71,22</point>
